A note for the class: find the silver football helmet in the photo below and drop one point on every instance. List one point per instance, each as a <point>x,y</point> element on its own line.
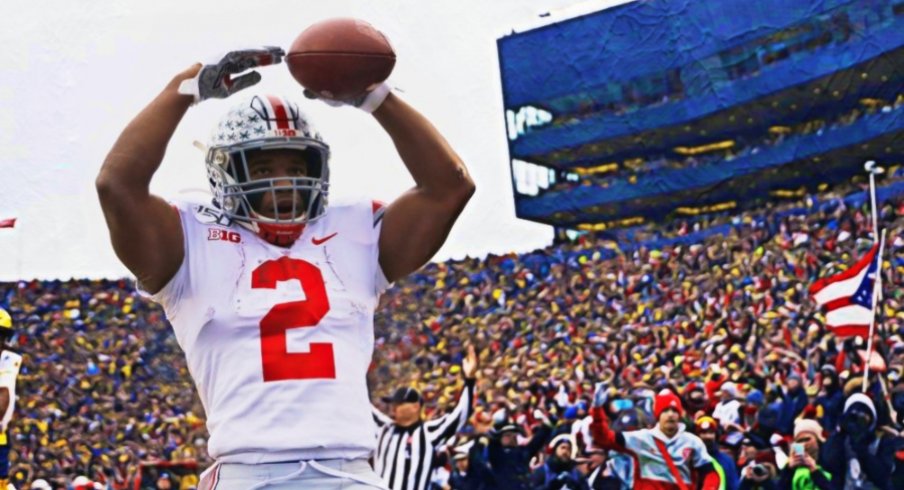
<point>267,123</point>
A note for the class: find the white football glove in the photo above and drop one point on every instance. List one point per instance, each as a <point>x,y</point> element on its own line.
<point>367,102</point>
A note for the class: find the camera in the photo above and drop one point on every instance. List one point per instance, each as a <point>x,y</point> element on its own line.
<point>759,471</point>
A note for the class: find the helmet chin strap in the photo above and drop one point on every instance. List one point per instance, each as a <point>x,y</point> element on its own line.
<point>279,234</point>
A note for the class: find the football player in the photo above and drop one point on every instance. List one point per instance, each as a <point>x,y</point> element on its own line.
<point>271,287</point>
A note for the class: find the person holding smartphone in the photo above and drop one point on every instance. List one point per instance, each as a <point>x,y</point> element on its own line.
<point>802,471</point>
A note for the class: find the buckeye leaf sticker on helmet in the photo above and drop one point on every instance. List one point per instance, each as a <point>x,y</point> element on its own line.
<point>260,124</point>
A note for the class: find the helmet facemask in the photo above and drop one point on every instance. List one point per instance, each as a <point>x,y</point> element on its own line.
<point>241,198</point>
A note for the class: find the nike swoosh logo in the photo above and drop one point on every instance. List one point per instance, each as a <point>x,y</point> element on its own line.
<point>322,240</point>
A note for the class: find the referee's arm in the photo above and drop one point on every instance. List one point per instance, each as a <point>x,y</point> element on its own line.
<point>380,418</point>
<point>442,429</point>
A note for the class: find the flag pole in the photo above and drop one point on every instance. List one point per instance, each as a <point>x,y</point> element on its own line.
<point>872,320</point>
<point>872,169</point>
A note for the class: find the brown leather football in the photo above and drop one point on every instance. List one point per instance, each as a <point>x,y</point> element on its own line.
<point>340,58</point>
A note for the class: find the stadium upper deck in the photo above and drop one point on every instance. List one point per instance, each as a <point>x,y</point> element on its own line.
<point>624,88</point>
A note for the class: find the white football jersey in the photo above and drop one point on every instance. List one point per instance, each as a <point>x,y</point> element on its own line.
<point>10,362</point>
<point>278,340</point>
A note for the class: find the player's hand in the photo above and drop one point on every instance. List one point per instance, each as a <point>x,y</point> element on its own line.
<point>215,80</point>
<point>469,363</point>
<point>368,101</point>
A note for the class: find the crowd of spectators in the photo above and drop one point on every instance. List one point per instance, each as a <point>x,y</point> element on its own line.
<point>103,385</point>
<point>633,170</point>
<point>725,323</point>
<point>731,311</point>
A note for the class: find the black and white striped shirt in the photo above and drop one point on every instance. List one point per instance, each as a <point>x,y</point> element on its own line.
<point>405,455</point>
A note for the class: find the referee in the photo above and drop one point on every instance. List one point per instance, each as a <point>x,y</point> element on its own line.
<point>406,444</point>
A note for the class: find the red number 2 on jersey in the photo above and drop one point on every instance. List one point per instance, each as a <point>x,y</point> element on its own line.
<point>278,363</point>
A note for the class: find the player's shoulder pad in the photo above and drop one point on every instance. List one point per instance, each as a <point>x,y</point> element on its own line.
<point>363,207</point>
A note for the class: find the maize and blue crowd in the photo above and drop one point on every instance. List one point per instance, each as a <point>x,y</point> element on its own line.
<point>714,310</point>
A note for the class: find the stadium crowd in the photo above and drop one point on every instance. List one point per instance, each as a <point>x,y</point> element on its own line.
<point>731,311</point>
<point>725,149</point>
<point>725,324</point>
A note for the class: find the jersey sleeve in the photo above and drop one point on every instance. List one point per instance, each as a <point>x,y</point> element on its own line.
<point>602,434</point>
<point>170,297</point>
<point>443,428</point>
<point>380,418</point>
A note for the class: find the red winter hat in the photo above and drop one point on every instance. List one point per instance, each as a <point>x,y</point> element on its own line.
<point>666,399</point>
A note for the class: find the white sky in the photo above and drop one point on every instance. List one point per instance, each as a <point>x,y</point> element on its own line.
<point>73,73</point>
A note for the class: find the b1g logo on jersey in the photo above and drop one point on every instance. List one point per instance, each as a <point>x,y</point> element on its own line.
<point>223,235</point>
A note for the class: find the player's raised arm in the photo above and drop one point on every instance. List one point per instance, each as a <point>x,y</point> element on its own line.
<point>326,61</point>
<point>417,223</point>
<point>145,231</point>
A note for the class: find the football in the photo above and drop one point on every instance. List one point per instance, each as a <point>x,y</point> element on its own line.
<point>340,58</point>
